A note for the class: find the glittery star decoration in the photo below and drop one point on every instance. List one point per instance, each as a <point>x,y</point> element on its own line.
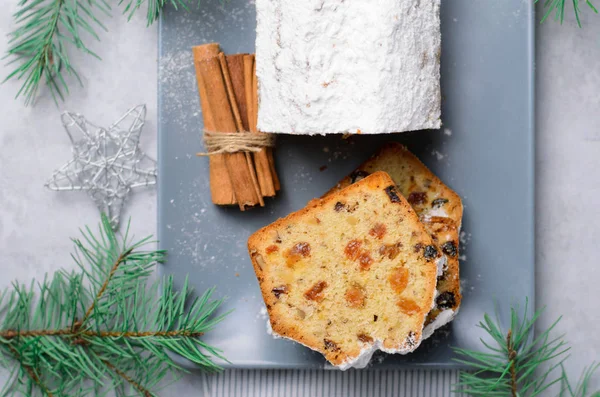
<point>107,163</point>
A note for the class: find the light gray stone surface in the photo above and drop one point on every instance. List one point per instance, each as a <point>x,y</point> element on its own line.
<point>35,224</point>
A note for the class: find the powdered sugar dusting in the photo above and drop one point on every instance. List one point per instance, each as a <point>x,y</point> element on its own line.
<point>311,56</point>
<point>177,75</point>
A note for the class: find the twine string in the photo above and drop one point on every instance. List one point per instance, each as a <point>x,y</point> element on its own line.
<point>233,142</point>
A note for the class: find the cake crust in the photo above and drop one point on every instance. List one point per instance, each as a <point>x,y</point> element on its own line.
<point>349,274</point>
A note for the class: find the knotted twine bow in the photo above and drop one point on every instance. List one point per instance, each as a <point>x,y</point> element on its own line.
<point>233,142</point>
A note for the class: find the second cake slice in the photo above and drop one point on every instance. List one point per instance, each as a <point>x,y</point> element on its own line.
<point>439,208</point>
<point>349,274</point>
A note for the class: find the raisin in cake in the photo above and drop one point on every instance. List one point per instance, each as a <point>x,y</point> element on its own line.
<point>349,274</point>
<point>440,210</point>
<point>359,66</point>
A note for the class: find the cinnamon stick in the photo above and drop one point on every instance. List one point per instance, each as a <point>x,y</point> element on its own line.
<point>212,77</point>
<point>233,100</point>
<point>229,98</point>
<point>261,158</point>
<point>236,66</point>
<point>221,188</point>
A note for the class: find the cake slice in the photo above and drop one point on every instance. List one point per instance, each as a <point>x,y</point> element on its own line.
<point>359,66</point>
<point>349,274</point>
<point>439,208</point>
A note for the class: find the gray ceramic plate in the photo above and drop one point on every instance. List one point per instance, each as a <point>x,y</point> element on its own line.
<point>485,152</point>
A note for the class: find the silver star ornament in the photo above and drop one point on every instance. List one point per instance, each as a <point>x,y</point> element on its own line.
<point>107,162</point>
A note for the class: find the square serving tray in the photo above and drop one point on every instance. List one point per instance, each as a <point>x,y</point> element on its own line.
<point>485,151</point>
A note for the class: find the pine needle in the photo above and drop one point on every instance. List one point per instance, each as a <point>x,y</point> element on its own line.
<point>154,7</point>
<point>39,43</point>
<point>46,29</point>
<point>516,363</point>
<point>557,7</point>
<point>103,328</point>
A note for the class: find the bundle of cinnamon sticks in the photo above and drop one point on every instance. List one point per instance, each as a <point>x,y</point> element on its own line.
<point>229,98</point>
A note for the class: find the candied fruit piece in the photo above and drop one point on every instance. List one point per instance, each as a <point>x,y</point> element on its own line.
<point>297,252</point>
<point>365,261</point>
<point>390,250</point>
<point>272,248</point>
<point>352,250</point>
<point>301,249</point>
<point>378,230</point>
<point>408,306</point>
<point>364,338</point>
<point>399,279</point>
<point>277,291</point>
<point>315,293</point>
<point>416,198</point>
<point>355,296</point>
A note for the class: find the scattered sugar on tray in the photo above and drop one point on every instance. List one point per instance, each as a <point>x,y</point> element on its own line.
<point>380,358</point>
<point>439,156</point>
<point>262,313</point>
<point>466,285</point>
<point>465,237</point>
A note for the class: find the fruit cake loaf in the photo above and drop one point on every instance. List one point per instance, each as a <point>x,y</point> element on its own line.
<point>349,274</point>
<point>440,210</point>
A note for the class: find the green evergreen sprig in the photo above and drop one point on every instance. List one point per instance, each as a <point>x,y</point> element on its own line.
<point>46,28</point>
<point>154,7</point>
<point>39,43</point>
<point>103,327</point>
<point>557,7</point>
<point>517,364</point>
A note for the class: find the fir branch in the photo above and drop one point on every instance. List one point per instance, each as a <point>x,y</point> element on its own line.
<point>582,387</point>
<point>557,7</point>
<point>122,257</point>
<point>10,334</point>
<point>39,43</point>
<point>32,375</point>
<point>516,364</point>
<point>103,327</point>
<point>154,7</point>
<point>145,392</point>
